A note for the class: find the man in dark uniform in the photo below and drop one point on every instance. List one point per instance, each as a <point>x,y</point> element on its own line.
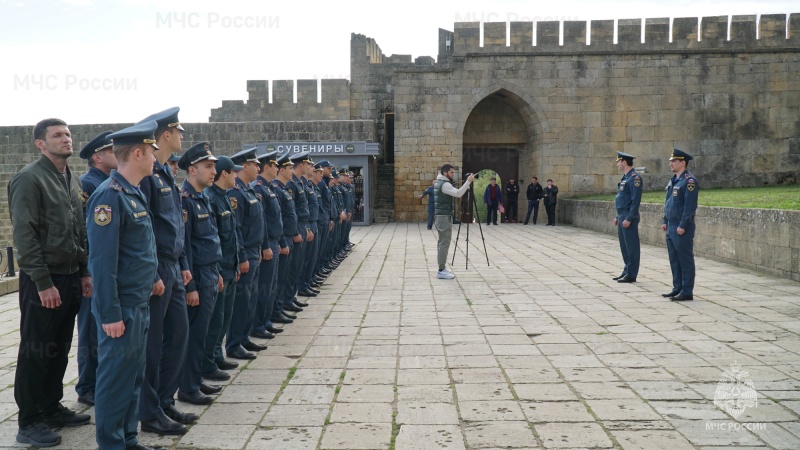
<point>290,237</point>
<point>312,247</point>
<point>324,224</point>
<point>44,197</point>
<point>214,362</point>
<point>550,201</point>
<point>101,162</point>
<point>351,209</point>
<point>679,210</point>
<point>331,212</point>
<point>297,189</point>
<point>431,203</point>
<point>204,254</point>
<point>274,240</point>
<point>173,164</point>
<point>338,197</point>
<point>534,194</point>
<point>124,262</point>
<point>169,324</point>
<point>629,196</point>
<point>512,197</point>
<point>250,226</point>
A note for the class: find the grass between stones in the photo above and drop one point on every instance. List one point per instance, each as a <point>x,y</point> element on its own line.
<point>766,197</point>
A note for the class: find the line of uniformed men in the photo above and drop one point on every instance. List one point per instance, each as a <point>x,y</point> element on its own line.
<point>233,247</point>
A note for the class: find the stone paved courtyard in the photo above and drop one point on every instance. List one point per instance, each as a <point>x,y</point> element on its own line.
<point>540,350</point>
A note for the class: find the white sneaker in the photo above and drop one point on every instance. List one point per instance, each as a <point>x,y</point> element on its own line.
<point>444,275</point>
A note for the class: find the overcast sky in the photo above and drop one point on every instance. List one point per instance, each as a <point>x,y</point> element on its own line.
<point>117,61</point>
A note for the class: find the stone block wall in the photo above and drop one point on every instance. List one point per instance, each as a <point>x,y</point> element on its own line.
<point>17,149</point>
<point>762,239</point>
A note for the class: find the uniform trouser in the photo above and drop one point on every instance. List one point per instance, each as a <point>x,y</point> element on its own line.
<point>284,281</point>
<point>629,246</point>
<point>324,237</point>
<point>218,324</point>
<point>87,348</point>
<point>348,227</point>
<point>244,308</point>
<point>45,339</point>
<point>533,205</point>
<point>681,258</point>
<point>333,241</point>
<point>199,319</point>
<point>512,209</point>
<point>491,213</point>
<point>267,275</point>
<point>166,343</point>
<point>312,252</point>
<point>120,373</point>
<point>444,225</point>
<point>431,214</point>
<point>551,213</point>
<point>296,268</point>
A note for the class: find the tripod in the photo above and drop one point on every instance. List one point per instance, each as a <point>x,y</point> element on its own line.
<point>468,205</point>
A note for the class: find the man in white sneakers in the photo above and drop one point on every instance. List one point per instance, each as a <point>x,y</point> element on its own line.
<point>445,205</point>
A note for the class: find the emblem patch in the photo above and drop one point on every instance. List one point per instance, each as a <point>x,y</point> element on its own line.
<point>291,193</point>
<point>234,202</point>
<point>637,183</point>
<point>690,187</point>
<point>85,198</point>
<point>185,215</point>
<point>675,192</point>
<point>102,215</point>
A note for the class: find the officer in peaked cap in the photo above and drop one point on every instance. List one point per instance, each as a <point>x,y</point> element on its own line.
<point>204,254</point>
<point>100,168</point>
<point>312,246</point>
<point>679,211</point>
<point>120,235</point>
<point>173,163</point>
<point>629,196</point>
<point>274,241</point>
<point>250,222</point>
<point>167,118</point>
<point>291,238</point>
<point>297,188</point>
<point>169,324</point>
<point>328,217</point>
<point>214,363</point>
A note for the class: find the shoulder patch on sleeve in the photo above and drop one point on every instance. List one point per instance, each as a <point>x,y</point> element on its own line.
<point>102,215</point>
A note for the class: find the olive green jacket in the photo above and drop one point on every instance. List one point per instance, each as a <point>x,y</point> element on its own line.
<point>49,229</point>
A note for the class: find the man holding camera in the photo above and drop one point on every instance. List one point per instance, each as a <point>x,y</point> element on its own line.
<point>445,205</point>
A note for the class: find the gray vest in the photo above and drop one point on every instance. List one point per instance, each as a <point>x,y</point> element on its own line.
<point>444,202</point>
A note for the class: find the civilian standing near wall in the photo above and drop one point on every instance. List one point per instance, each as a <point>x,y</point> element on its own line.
<point>444,195</point>
<point>550,200</point>
<point>629,196</point>
<point>492,198</point>
<point>512,197</point>
<point>534,194</point>
<point>46,211</point>
<point>679,210</point>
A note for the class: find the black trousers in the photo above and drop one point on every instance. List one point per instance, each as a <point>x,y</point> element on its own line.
<point>551,213</point>
<point>45,340</point>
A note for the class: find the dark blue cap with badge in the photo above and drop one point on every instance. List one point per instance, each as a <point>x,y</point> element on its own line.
<point>285,160</point>
<point>174,158</point>
<point>268,157</point>
<point>195,154</point>
<point>141,133</point>
<point>680,155</point>
<point>302,157</point>
<point>317,167</point>
<point>625,157</point>
<point>325,163</point>
<point>167,118</point>
<point>99,143</point>
<point>227,164</point>
<point>246,155</point>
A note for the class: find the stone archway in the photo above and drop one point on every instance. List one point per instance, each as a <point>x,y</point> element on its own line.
<point>503,132</point>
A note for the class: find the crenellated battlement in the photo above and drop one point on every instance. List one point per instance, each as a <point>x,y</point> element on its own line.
<point>687,33</point>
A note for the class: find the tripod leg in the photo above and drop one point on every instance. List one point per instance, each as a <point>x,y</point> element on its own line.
<point>466,260</point>
<point>475,204</point>
<point>455,247</point>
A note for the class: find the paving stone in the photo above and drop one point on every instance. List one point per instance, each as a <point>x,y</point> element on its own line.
<point>688,410</point>
<point>544,392</point>
<point>255,377</point>
<point>362,412</point>
<point>572,435</point>
<point>296,415</point>
<point>220,437</point>
<point>499,435</point>
<point>288,438</point>
<point>544,375</point>
<point>356,436</point>
<point>377,393</point>
<point>652,440</point>
<point>316,376</point>
<point>492,391</point>
<point>594,391</point>
<point>369,376</point>
<point>429,437</point>
<point>423,362</point>
<point>664,390</point>
<point>432,393</point>
<point>426,413</point>
<point>715,432</point>
<point>234,414</point>
<point>481,411</point>
<point>412,377</point>
<point>622,409</point>
<point>306,394</point>
<point>538,412</point>
<point>247,394</point>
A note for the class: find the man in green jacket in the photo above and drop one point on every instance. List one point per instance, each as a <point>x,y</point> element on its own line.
<point>50,235</point>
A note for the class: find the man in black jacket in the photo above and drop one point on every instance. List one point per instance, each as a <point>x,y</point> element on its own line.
<point>550,199</point>
<point>534,194</point>
<point>512,197</point>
